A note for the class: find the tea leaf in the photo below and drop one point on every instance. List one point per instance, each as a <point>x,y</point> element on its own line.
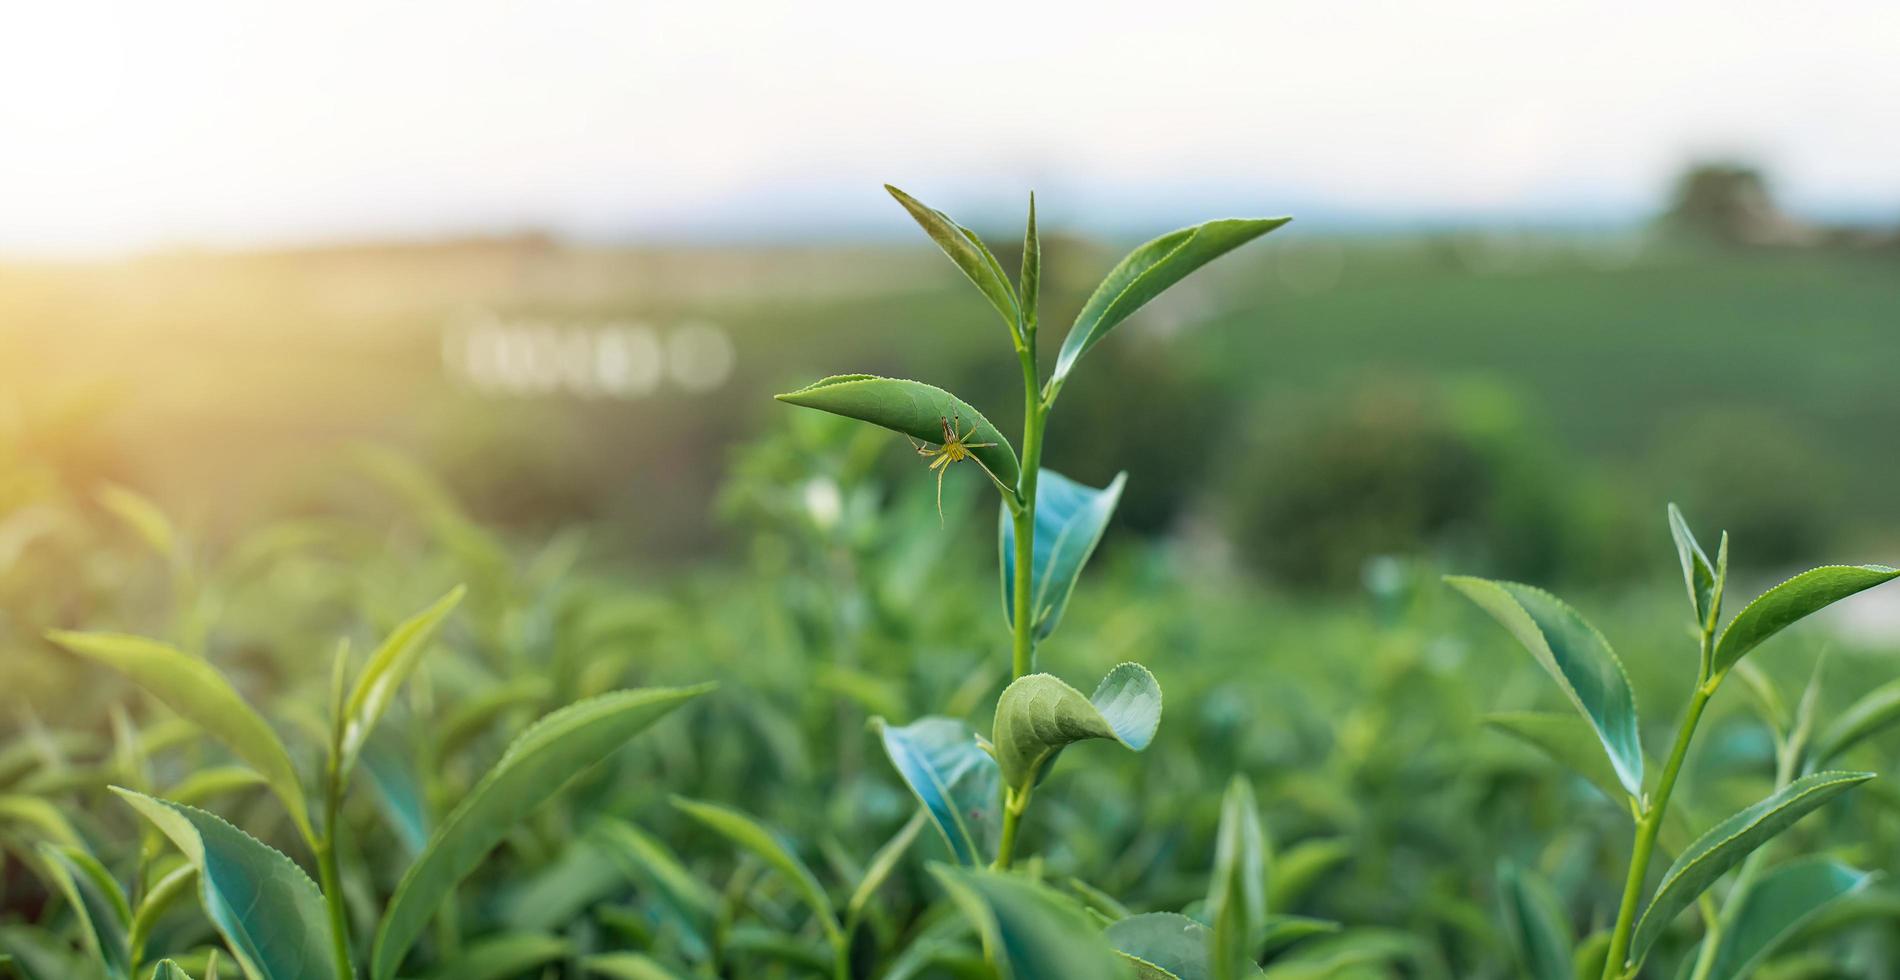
<point>97,902</point>
<point>44,817</point>
<point>917,410</point>
<point>1284,930</point>
<point>1567,739</point>
<point>968,252</point>
<point>1237,897</point>
<point>751,835</point>
<point>1029,282</point>
<point>142,516</point>
<point>501,957</point>
<point>195,689</point>
<point>1166,946</point>
<point>1697,571</point>
<point>1070,521</point>
<point>546,757</point>
<point>1876,710</point>
<point>952,777</point>
<point>387,669</point>
<point>1727,843</point>
<point>1577,657</point>
<point>269,912</point>
<point>200,786</point>
<point>1038,716</point>
<point>1147,271</point>
<point>1535,921</point>
<point>882,864</point>
<point>649,858</point>
<point>391,768</point>
<point>167,970</point>
<point>1778,905</point>
<point>1029,931</point>
<point>626,966</point>
<point>1791,601</point>
<point>159,899</point>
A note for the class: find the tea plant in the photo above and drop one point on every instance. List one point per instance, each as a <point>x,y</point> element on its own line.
<point>978,790</point>
<point>1763,905</point>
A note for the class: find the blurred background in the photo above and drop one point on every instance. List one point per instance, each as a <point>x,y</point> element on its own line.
<point>1543,276</point>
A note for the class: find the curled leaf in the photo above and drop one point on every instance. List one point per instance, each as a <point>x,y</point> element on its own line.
<point>1039,715</point>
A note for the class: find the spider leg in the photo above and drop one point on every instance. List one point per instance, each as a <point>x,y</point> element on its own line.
<point>949,431</point>
<point>940,474</point>
<point>942,462</point>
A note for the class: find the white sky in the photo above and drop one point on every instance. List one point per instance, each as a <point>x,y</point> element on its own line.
<point>131,124</point>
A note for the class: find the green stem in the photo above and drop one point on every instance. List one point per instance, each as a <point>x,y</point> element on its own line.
<point>328,873</point>
<point>1786,762</point>
<point>1649,824</point>
<point>1023,658</point>
<point>1013,807</point>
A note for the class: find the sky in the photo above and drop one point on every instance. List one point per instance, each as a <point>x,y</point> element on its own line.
<point>129,125</point>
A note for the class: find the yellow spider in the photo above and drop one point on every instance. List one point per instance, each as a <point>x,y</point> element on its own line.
<point>953,450</point>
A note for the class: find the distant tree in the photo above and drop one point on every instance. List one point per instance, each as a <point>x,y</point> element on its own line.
<point>1730,203</point>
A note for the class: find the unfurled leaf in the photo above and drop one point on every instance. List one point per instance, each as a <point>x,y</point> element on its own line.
<point>384,674</point>
<point>953,778</point>
<point>626,966</point>
<point>195,689</point>
<point>1237,896</point>
<point>1038,716</point>
<point>99,904</point>
<point>1791,601</point>
<point>1146,272</point>
<point>501,957</point>
<point>913,408</point>
<point>1877,710</point>
<point>1727,843</point>
<point>270,913</point>
<point>1697,571</point>
<point>535,766</point>
<point>1070,521</point>
<point>1535,921</point>
<point>1577,657</point>
<point>45,818</point>
<point>968,252</point>
<point>1567,739</point>
<point>1029,931</point>
<point>751,835</point>
<point>1776,906</point>
<point>648,858</point>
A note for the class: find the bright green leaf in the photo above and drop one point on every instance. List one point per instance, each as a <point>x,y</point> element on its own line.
<point>1149,270</point>
<point>1070,521</point>
<point>42,816</point>
<point>546,757</point>
<point>968,252</point>
<point>953,777</point>
<point>1697,571</point>
<point>1038,716</point>
<point>1029,931</point>
<point>1237,896</point>
<point>1284,930</point>
<point>205,784</point>
<point>882,864</point>
<point>195,689</point>
<point>1727,843</point>
<point>167,970</point>
<point>1776,906</point>
<point>1787,603</point>
<point>626,966</point>
<point>751,835</point>
<point>165,893</point>
<point>1535,921</point>
<point>1577,657</point>
<point>269,912</point>
<point>914,409</point>
<point>387,669</point>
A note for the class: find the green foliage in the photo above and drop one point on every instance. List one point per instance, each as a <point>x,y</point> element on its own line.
<point>1237,898</point>
<point>1030,932</point>
<point>1775,908</point>
<point>1070,521</point>
<point>1791,601</point>
<point>914,409</point>
<point>1039,715</point>
<point>954,779</point>
<point>1534,919</point>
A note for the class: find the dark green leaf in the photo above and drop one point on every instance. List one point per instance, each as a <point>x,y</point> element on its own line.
<point>1577,657</point>
<point>1029,931</point>
<point>1787,603</point>
<point>882,864</point>
<point>536,765</point>
<point>270,913</point>
<point>1070,521</point>
<point>1776,906</point>
<point>1535,921</point>
<point>913,408</point>
<point>501,957</point>
<point>953,778</point>
<point>1038,716</point>
<point>1567,739</point>
<point>1726,844</point>
<point>1166,946</point>
<point>968,252</point>
<point>1149,270</point>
